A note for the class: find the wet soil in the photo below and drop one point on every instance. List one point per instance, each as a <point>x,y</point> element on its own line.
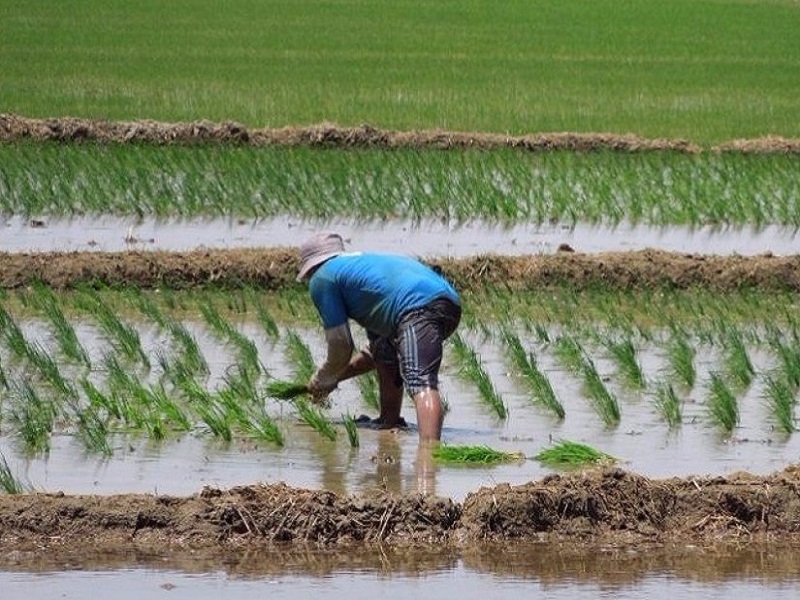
<point>608,506</point>
<point>69,129</point>
<point>275,268</point>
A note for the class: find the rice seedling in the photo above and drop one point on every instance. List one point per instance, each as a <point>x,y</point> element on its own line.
<point>722,403</point>
<point>46,365</point>
<point>263,428</point>
<point>681,354</point>
<point>216,419</point>
<point>572,454</point>
<point>300,356</point>
<point>789,358</point>
<point>248,352</point>
<point>266,320</point>
<point>537,382</point>
<point>603,400</point>
<point>780,395</point>
<point>482,455</point>
<point>68,342</point>
<point>668,404</point>
<point>3,378</point>
<point>34,417</point>
<point>352,430</point>
<point>124,338</point>
<point>191,356</point>
<point>368,386</point>
<point>570,353</point>
<point>93,432</point>
<point>738,365</point>
<point>471,368</point>
<point>625,356</point>
<point>316,419</point>
<point>9,483</point>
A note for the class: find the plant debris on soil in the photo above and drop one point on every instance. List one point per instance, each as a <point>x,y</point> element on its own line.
<point>609,506</point>
<point>72,129</point>
<point>276,268</point>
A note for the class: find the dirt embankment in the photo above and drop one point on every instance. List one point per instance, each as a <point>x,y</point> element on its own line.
<point>276,268</point>
<point>605,506</point>
<point>70,129</point>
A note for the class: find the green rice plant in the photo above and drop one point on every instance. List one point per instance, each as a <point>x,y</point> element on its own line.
<point>789,358</point>
<point>143,301</point>
<point>191,357</point>
<point>483,455</point>
<point>368,386</point>
<point>248,352</point>
<point>98,399</point>
<point>722,403</point>
<point>471,368</point>
<point>316,419</point>
<point>34,417</point>
<point>569,353</point>
<point>603,400</point>
<point>300,356</point>
<point>68,342</point>
<point>124,338</point>
<point>738,366</point>
<point>625,356</point>
<point>537,382</point>
<point>572,454</point>
<point>3,378</point>
<point>266,320</point>
<point>93,432</point>
<point>681,356</point>
<point>48,368</point>
<point>9,483</point>
<point>780,392</point>
<point>216,419</point>
<point>668,404</point>
<point>352,430</point>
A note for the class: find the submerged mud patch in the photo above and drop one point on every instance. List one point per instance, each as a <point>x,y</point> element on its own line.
<point>276,268</point>
<point>606,506</point>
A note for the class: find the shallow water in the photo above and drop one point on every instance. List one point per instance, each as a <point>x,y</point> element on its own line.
<point>426,238</point>
<point>538,571</point>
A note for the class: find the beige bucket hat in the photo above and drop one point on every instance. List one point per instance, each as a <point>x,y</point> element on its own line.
<point>317,249</point>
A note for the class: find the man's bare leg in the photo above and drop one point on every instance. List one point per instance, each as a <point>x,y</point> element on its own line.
<point>430,414</point>
<point>391,396</point>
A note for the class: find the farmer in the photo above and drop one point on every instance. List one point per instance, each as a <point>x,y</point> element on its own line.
<point>407,309</point>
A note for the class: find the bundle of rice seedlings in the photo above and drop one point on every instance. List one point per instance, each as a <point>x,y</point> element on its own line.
<point>285,390</point>
<point>473,455</point>
<point>566,453</point>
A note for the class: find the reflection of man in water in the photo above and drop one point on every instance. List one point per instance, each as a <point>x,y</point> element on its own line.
<point>407,309</point>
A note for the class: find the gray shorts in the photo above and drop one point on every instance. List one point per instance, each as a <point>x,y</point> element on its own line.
<point>415,347</point>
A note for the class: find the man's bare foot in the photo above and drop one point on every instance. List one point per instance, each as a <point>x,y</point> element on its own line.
<point>378,423</point>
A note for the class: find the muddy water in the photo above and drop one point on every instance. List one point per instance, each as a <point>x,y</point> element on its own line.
<point>431,238</point>
<point>538,571</point>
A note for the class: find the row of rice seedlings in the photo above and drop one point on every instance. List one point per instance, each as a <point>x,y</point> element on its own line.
<point>124,338</point>
<point>68,342</point>
<point>9,483</point>
<point>668,404</point>
<point>537,382</point>
<point>626,357</point>
<point>657,188</point>
<point>572,454</point>
<point>483,455</point>
<point>723,404</point>
<point>246,347</point>
<point>471,368</point>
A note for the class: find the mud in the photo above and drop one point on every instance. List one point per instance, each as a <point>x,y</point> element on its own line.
<point>275,268</point>
<point>610,506</point>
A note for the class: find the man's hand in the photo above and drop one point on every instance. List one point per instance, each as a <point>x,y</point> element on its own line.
<point>319,388</point>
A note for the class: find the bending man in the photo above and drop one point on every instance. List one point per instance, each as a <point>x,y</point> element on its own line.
<point>407,309</point>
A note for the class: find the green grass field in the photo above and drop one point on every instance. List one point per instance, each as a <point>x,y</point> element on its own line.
<point>706,71</point>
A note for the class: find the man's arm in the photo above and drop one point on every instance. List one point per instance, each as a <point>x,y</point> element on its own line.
<point>340,350</point>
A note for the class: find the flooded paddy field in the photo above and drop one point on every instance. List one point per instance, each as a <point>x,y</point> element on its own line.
<point>684,371</point>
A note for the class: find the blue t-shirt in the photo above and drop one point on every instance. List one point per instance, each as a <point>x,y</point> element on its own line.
<point>374,290</point>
